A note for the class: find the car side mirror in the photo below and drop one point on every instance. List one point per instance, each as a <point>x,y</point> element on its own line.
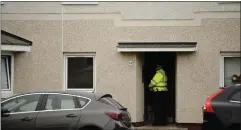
<point>5,112</point>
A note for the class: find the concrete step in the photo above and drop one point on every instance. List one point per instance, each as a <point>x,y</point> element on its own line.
<point>159,128</point>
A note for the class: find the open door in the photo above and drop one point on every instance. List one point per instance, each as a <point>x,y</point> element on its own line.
<point>168,60</point>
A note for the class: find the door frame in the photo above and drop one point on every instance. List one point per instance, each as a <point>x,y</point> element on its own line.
<point>175,55</point>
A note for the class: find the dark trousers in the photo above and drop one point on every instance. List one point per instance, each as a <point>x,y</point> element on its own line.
<point>159,108</point>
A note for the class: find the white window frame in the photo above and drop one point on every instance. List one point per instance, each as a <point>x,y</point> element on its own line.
<point>225,55</point>
<point>8,73</point>
<point>9,92</point>
<point>66,56</point>
<point>80,3</point>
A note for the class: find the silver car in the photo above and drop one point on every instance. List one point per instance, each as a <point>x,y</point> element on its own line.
<point>64,111</point>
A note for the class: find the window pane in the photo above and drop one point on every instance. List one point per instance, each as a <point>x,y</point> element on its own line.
<point>112,102</point>
<point>231,67</point>
<point>80,72</point>
<point>83,101</point>
<point>236,96</point>
<point>5,72</point>
<point>56,102</point>
<point>29,106</point>
<point>22,104</point>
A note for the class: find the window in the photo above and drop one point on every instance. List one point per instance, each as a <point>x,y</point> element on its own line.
<point>230,66</point>
<point>56,102</point>
<point>6,72</point>
<point>111,101</point>
<point>82,101</point>
<point>22,104</point>
<point>236,96</point>
<point>79,72</point>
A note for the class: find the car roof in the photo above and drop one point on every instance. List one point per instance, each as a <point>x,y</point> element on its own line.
<point>90,95</point>
<point>233,86</point>
<point>85,94</point>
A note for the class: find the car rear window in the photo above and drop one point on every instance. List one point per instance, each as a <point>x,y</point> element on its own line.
<point>111,101</point>
<point>236,96</point>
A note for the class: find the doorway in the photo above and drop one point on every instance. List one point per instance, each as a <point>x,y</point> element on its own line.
<point>168,60</point>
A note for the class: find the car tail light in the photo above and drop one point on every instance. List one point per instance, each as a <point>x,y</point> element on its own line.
<point>208,106</point>
<point>114,116</point>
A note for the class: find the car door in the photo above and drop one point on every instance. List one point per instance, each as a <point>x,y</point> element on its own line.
<point>234,101</point>
<point>22,112</point>
<point>60,112</point>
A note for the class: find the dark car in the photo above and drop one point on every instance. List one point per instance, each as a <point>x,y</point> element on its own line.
<point>64,111</point>
<point>222,110</point>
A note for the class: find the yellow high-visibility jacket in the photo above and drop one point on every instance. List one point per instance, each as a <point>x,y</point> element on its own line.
<point>159,81</point>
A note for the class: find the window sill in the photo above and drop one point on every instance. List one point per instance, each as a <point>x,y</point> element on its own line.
<point>80,3</point>
<point>229,2</point>
<point>80,90</point>
<point>6,94</point>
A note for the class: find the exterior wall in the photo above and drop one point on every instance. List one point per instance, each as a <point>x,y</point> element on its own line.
<point>111,22</point>
<point>139,88</point>
<point>42,68</point>
<point>128,10</point>
<point>202,69</point>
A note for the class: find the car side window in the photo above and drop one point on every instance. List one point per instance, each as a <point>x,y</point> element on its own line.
<point>82,101</point>
<point>58,102</point>
<point>111,101</point>
<point>22,104</point>
<point>236,96</point>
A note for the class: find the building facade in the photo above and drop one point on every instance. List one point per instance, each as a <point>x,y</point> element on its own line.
<point>90,46</point>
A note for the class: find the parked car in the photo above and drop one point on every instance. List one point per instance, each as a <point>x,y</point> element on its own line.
<point>64,111</point>
<point>222,110</point>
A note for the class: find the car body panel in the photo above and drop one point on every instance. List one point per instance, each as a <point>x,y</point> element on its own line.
<point>227,113</point>
<point>112,125</point>
<point>235,113</point>
<point>236,109</point>
<point>19,121</point>
<point>61,119</point>
<point>225,110</point>
<point>92,116</point>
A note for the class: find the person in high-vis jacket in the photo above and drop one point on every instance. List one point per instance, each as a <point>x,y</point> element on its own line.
<point>158,85</point>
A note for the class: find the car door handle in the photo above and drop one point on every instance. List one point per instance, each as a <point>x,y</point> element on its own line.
<point>27,119</point>
<point>71,115</point>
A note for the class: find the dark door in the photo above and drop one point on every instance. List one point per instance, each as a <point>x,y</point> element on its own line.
<point>168,60</point>
<point>234,101</point>
<point>22,112</point>
<point>149,70</point>
<point>60,112</point>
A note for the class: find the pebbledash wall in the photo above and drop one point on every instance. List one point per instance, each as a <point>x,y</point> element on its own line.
<point>57,28</point>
